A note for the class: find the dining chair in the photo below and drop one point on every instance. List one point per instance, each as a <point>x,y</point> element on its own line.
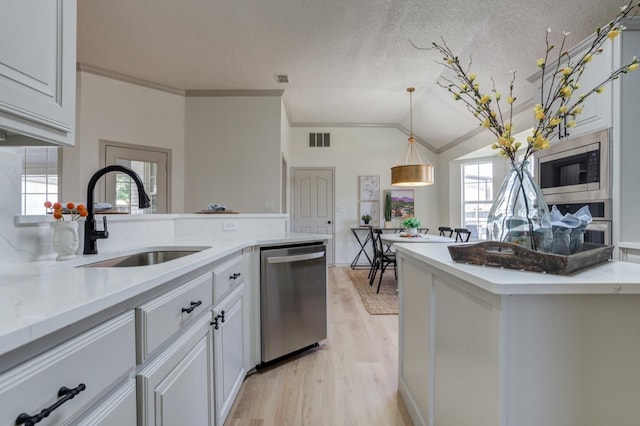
<point>462,235</point>
<point>381,259</point>
<point>423,230</point>
<point>444,229</point>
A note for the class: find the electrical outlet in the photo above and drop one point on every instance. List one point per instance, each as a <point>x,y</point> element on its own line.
<point>230,225</point>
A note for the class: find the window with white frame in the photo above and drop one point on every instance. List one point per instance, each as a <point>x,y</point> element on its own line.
<point>477,197</point>
<point>40,178</point>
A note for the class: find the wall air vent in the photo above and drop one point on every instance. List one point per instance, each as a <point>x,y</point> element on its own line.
<point>282,78</point>
<point>319,140</point>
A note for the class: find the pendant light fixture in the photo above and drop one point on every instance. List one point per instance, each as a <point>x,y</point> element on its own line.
<point>412,171</point>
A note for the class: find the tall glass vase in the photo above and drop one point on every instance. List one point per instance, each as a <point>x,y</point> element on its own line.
<point>519,213</point>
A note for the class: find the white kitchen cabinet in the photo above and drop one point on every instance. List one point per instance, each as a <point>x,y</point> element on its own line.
<point>38,69</point>
<point>165,315</point>
<point>176,387</point>
<point>119,409</point>
<point>230,350</point>
<point>597,111</point>
<point>93,362</point>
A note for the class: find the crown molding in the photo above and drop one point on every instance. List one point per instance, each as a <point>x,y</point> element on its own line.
<point>232,92</point>
<point>127,79</point>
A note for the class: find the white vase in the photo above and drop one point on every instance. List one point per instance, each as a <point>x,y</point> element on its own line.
<point>65,239</point>
<point>412,231</point>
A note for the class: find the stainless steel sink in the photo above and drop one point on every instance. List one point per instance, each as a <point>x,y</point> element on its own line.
<point>145,258</point>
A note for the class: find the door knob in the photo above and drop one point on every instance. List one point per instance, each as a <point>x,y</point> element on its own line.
<point>329,222</point>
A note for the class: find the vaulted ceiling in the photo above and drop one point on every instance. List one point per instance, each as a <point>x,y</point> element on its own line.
<point>349,61</point>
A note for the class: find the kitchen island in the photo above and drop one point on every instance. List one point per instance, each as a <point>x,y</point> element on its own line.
<point>492,346</point>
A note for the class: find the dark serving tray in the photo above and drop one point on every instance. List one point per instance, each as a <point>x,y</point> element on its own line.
<point>513,256</point>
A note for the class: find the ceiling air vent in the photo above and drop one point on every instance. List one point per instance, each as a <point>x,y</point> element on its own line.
<point>282,78</point>
<point>319,140</point>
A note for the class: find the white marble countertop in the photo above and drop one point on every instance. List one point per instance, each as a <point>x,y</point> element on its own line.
<point>606,278</point>
<point>39,298</point>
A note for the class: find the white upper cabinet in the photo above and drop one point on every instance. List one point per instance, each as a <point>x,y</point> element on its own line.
<point>38,69</point>
<point>596,114</point>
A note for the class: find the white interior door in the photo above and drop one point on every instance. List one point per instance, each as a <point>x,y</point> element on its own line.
<point>312,201</point>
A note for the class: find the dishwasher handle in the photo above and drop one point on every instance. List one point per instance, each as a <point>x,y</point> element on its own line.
<point>295,258</point>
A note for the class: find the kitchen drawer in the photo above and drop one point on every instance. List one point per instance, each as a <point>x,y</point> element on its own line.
<point>96,360</point>
<point>119,409</point>
<point>162,317</point>
<point>226,277</point>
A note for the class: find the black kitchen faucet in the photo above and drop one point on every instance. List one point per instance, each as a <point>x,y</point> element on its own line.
<point>91,234</point>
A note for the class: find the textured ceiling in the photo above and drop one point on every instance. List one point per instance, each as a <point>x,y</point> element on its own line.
<point>349,61</point>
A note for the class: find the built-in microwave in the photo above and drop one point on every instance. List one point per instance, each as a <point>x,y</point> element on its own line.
<point>576,169</point>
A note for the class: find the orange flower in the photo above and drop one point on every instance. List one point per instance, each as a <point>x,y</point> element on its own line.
<point>76,212</point>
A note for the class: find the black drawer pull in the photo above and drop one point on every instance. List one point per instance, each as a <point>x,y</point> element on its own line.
<point>192,307</point>
<point>234,276</point>
<point>64,393</point>
<point>222,316</point>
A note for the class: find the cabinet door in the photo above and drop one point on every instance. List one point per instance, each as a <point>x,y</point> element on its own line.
<point>119,409</point>
<point>597,108</point>
<point>176,387</point>
<point>229,351</point>
<point>37,69</point>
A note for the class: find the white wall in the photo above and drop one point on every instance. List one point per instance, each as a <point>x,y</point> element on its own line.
<point>113,110</point>
<point>285,147</point>
<point>233,153</point>
<point>357,151</point>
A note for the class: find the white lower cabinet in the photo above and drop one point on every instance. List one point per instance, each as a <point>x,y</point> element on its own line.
<point>69,380</point>
<point>119,409</point>
<point>176,387</point>
<point>230,352</point>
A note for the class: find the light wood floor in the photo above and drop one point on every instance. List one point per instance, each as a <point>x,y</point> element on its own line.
<point>352,379</point>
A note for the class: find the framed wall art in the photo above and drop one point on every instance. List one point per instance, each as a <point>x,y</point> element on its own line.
<point>369,188</point>
<point>402,204</point>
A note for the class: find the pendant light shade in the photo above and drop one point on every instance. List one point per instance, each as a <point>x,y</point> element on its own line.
<point>412,171</point>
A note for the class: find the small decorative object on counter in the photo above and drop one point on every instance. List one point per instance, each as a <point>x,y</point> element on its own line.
<point>216,207</point>
<point>65,239</point>
<point>65,232</point>
<point>568,230</point>
<point>366,218</point>
<point>519,213</point>
<point>411,225</point>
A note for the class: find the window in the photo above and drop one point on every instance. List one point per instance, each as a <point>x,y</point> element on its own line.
<point>477,197</point>
<point>152,164</point>
<point>40,176</point>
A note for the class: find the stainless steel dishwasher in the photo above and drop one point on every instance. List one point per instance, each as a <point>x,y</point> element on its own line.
<point>293,299</point>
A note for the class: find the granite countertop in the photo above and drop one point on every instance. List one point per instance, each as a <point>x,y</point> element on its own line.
<point>612,277</point>
<point>39,298</point>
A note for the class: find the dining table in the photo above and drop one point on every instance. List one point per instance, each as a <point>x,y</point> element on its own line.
<point>389,239</point>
